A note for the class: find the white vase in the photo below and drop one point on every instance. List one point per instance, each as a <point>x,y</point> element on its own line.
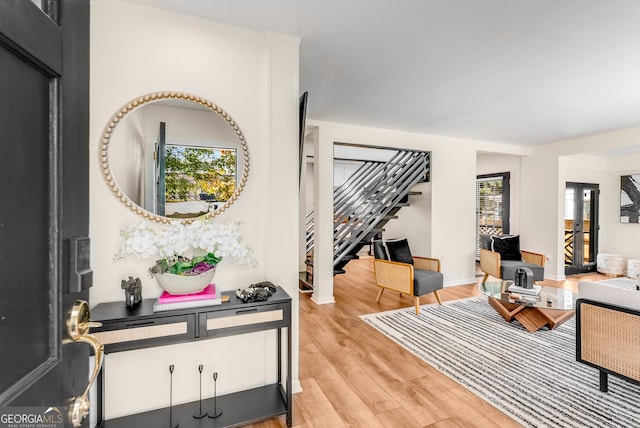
<point>185,284</point>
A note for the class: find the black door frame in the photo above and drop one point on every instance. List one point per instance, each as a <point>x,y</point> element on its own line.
<point>578,265</point>
<point>506,203</point>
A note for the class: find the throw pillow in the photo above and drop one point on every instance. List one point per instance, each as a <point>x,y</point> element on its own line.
<point>485,242</point>
<point>507,246</point>
<point>379,250</point>
<point>399,251</point>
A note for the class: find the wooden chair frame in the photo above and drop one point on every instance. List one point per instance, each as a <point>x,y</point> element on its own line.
<point>398,276</point>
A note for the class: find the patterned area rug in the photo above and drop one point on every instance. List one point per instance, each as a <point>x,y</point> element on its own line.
<point>532,377</point>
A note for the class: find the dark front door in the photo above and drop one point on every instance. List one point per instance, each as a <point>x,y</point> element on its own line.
<point>44,208</point>
<point>580,228</point>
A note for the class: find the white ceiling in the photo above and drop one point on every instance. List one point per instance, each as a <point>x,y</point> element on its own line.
<point>522,72</point>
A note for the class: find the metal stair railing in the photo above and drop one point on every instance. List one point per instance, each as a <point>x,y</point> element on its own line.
<point>357,180</point>
<point>375,203</point>
<point>367,197</point>
<point>309,232</point>
<point>374,181</point>
<point>343,209</point>
<point>377,183</point>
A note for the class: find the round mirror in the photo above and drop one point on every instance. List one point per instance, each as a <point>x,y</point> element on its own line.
<point>174,156</point>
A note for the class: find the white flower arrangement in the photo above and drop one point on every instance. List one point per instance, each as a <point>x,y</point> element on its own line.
<point>186,249</point>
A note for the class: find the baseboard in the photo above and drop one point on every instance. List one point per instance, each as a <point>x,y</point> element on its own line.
<point>296,386</point>
<point>461,282</point>
<point>322,301</point>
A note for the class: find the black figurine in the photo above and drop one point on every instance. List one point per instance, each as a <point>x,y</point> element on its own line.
<point>132,291</point>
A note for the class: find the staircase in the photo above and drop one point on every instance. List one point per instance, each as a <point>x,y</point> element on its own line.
<point>364,203</point>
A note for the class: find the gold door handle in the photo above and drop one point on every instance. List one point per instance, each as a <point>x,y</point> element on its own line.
<point>78,326</point>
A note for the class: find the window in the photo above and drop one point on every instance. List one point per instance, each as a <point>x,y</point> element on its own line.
<point>492,206</point>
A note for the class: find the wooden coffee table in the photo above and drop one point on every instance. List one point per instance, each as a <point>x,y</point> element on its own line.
<point>550,308</point>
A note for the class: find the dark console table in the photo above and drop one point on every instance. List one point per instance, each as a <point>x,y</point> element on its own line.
<point>128,329</point>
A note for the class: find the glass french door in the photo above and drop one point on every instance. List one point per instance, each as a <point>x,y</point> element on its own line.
<point>492,206</point>
<point>580,227</point>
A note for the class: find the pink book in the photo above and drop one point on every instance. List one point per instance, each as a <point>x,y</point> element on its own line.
<point>207,293</point>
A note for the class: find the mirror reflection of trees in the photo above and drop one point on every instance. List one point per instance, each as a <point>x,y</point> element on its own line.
<point>199,173</point>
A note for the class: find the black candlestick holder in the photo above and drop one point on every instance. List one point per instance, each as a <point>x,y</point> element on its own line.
<point>215,412</point>
<point>171,424</point>
<point>199,414</point>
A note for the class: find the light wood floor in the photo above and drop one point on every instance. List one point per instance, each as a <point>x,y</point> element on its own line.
<point>353,376</point>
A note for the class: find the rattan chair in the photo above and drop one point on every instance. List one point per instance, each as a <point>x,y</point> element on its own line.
<point>608,331</point>
<point>411,275</point>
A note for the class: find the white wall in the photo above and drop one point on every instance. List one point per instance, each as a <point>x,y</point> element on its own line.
<point>492,163</point>
<point>342,170</point>
<point>253,76</point>
<point>414,221</point>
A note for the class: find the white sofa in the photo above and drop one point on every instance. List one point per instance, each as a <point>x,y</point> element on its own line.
<point>608,331</point>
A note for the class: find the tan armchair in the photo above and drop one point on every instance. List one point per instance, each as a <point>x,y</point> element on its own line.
<point>492,263</point>
<point>417,279</point>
